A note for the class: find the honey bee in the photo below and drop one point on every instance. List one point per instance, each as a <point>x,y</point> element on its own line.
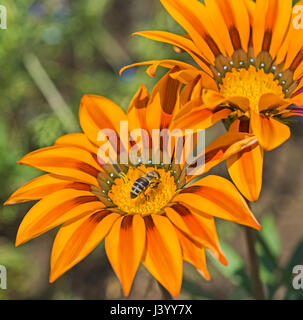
<point>149,179</point>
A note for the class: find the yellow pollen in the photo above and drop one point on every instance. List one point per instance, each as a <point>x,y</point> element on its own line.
<point>251,84</point>
<point>149,202</point>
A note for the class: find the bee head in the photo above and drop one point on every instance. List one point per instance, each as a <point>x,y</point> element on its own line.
<point>153,174</point>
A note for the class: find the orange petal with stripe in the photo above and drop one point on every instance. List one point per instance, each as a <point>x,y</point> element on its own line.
<point>163,256</point>
<point>225,146</point>
<point>246,168</point>
<point>271,133</point>
<point>124,247</point>
<point>259,24</point>
<point>178,41</point>
<point>163,102</point>
<point>154,64</point>
<point>218,197</point>
<point>289,48</point>
<point>219,24</point>
<point>193,254</point>
<point>199,117</point>
<point>43,186</point>
<point>186,14</point>
<point>136,113</point>
<point>282,18</point>
<point>187,76</point>
<point>74,241</point>
<point>71,162</point>
<point>78,140</point>
<point>200,228</point>
<point>55,209</point>
<point>236,18</point>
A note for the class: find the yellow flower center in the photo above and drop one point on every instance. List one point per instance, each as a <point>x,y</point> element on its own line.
<point>251,84</point>
<point>150,200</point>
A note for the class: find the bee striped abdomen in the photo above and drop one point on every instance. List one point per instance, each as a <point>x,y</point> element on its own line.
<point>139,186</point>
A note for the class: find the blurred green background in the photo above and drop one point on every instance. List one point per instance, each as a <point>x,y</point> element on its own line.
<point>52,53</point>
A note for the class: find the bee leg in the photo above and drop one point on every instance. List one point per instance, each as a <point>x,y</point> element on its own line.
<point>154,185</point>
<point>145,195</point>
<point>123,176</point>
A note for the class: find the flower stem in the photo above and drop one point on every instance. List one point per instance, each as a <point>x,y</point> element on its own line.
<point>254,264</point>
<point>165,294</point>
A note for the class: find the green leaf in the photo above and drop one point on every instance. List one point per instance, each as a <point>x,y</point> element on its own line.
<point>235,263</point>
<point>269,236</point>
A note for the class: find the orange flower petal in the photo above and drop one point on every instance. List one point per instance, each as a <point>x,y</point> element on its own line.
<point>218,197</point>
<point>289,48</point>
<point>124,247</point>
<point>78,140</point>
<point>136,113</point>
<point>212,98</point>
<point>219,24</point>
<point>270,100</point>
<point>282,20</point>
<point>154,64</point>
<point>235,15</point>
<point>163,102</point>
<point>193,254</point>
<point>200,228</point>
<point>54,210</point>
<point>271,133</point>
<point>259,23</point>
<point>225,146</point>
<point>245,169</point>
<point>198,117</point>
<point>74,241</point>
<point>189,75</point>
<point>43,186</point>
<point>297,99</point>
<point>65,161</point>
<point>293,48</point>
<point>251,5</point>
<point>178,41</point>
<point>239,11</point>
<point>97,113</point>
<point>163,256</point>
<point>299,72</point>
<point>186,14</point>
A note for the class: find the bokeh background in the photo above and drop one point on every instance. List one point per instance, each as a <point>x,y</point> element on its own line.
<point>52,53</point>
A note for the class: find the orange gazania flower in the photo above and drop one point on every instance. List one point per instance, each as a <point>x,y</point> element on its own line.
<point>91,201</point>
<point>251,59</point>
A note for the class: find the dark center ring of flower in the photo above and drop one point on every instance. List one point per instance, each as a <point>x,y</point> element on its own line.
<point>264,61</point>
<point>117,185</point>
